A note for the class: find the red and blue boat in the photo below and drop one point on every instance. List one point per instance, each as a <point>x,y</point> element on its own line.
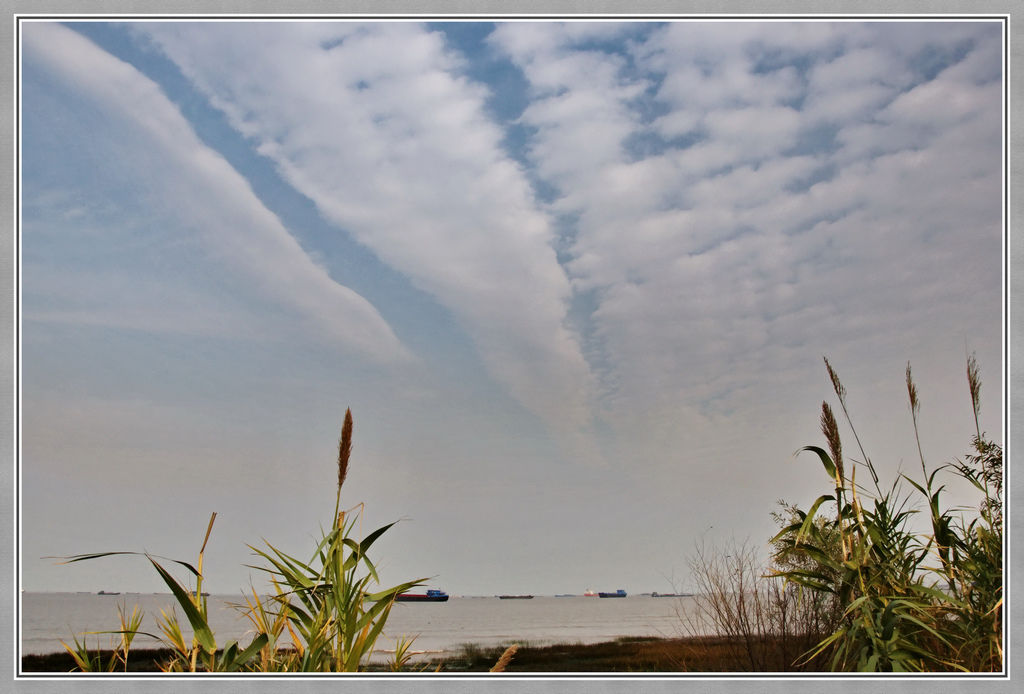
<point>432,595</point>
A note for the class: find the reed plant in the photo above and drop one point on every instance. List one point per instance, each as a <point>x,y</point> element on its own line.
<point>324,614</point>
<point>117,657</point>
<point>201,652</point>
<point>911,601</point>
<point>329,609</point>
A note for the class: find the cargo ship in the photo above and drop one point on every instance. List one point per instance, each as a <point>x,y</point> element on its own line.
<point>617,594</point>
<point>516,597</point>
<point>431,595</point>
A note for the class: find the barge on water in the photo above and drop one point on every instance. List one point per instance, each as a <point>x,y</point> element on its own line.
<point>432,595</point>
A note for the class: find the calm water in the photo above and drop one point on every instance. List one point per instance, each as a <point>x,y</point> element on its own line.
<point>49,617</point>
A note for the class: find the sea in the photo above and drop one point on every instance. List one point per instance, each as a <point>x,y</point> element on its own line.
<point>439,628</point>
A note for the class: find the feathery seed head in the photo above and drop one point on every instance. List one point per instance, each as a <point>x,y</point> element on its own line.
<point>974,382</point>
<point>344,448</point>
<point>836,385</point>
<point>505,658</point>
<point>915,405</point>
<point>830,429</point>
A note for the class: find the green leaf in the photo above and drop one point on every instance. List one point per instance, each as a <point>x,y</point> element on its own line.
<point>229,655</point>
<point>100,555</point>
<point>245,656</point>
<point>391,592</point>
<point>888,621</point>
<point>808,523</point>
<point>200,628</point>
<point>826,461</point>
<point>939,595</point>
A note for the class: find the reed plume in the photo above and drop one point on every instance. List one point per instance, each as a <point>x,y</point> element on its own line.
<point>836,384</point>
<point>344,451</point>
<point>841,394</point>
<point>974,382</point>
<point>915,407</point>
<point>830,429</point>
<point>505,658</point>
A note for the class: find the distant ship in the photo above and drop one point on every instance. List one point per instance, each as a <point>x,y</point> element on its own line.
<point>431,595</point>
<point>103,592</point>
<point>589,593</point>
<point>515,597</point>
<point>617,594</point>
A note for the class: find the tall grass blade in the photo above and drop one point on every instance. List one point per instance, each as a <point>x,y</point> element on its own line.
<point>200,629</point>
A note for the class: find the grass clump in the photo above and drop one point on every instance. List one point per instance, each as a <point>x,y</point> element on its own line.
<point>324,614</point>
<point>849,585</point>
<point>909,601</point>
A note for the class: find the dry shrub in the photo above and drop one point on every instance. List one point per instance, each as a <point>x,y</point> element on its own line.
<point>740,606</point>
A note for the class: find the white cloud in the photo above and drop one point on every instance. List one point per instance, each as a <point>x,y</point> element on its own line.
<point>711,256</point>
<point>721,263</point>
<point>943,102</point>
<point>198,190</point>
<point>371,123</point>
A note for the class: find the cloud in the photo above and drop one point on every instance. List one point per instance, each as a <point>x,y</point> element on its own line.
<point>143,142</point>
<point>372,123</point>
<point>805,186</point>
<point>729,202</point>
<point>713,266</point>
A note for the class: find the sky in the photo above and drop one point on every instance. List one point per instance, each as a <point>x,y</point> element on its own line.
<point>575,281</point>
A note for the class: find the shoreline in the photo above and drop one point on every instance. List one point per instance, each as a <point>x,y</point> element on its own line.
<point>625,654</point>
